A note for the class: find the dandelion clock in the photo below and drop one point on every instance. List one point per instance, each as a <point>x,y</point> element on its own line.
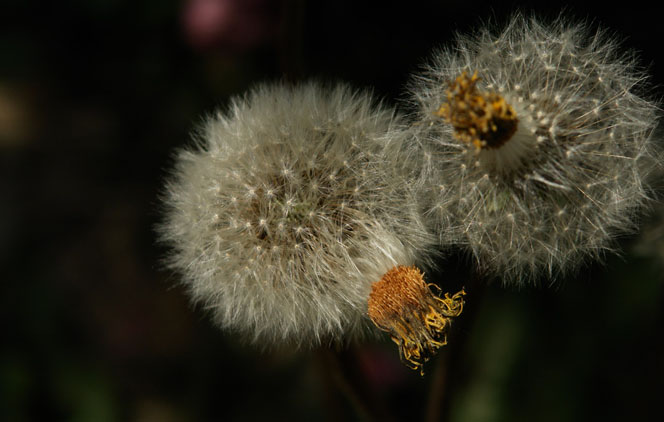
<point>293,220</point>
<point>537,145</point>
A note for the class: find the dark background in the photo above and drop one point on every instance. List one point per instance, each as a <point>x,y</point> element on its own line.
<point>94,97</point>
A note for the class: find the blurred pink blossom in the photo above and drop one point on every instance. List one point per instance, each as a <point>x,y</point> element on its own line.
<point>381,369</point>
<point>234,25</point>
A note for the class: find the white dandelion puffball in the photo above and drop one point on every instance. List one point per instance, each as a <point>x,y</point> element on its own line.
<point>292,204</point>
<point>537,143</point>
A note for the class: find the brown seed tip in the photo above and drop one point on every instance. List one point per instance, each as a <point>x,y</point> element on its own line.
<point>402,304</point>
<point>484,119</point>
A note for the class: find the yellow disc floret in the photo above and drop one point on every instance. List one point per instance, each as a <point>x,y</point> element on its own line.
<point>484,119</point>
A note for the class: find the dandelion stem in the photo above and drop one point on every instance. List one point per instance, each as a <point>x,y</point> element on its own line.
<point>445,374</point>
<point>342,369</point>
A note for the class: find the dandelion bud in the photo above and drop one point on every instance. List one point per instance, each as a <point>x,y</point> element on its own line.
<point>402,304</point>
<point>538,142</point>
<point>293,203</point>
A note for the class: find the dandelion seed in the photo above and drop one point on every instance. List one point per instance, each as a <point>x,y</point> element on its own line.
<point>558,120</point>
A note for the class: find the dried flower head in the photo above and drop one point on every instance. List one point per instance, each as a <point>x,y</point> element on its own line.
<point>537,142</point>
<point>402,304</point>
<point>292,204</point>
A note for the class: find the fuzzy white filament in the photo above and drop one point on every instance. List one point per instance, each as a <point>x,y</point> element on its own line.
<point>572,174</point>
<point>291,205</point>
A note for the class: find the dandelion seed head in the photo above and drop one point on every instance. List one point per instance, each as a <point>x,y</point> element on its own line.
<point>568,178</point>
<point>291,204</point>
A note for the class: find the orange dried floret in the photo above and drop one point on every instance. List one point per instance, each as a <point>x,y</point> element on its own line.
<point>402,304</point>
